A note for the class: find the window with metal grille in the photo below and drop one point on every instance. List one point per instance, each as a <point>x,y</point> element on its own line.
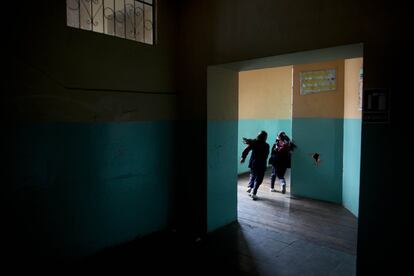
<point>128,19</point>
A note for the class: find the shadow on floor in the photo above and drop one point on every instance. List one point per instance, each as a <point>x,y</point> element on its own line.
<point>239,248</point>
<point>173,252</point>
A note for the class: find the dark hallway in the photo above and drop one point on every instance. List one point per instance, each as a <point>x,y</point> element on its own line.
<point>108,160</point>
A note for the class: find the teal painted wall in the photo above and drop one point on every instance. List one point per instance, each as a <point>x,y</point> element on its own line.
<point>250,128</point>
<point>222,173</point>
<point>324,136</point>
<point>352,164</point>
<point>80,187</point>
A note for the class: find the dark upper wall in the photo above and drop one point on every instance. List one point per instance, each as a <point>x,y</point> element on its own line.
<point>216,32</point>
<point>47,57</point>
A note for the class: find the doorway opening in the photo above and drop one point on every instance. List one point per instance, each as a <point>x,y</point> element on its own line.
<point>265,104</point>
<point>325,124</point>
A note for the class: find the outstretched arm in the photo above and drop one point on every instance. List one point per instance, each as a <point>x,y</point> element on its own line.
<point>245,153</point>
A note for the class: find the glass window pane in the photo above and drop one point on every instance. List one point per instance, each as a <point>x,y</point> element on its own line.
<point>109,17</point>
<point>97,19</point>
<point>120,18</point>
<point>130,19</point>
<point>148,24</point>
<point>72,13</point>
<point>139,21</point>
<point>85,14</point>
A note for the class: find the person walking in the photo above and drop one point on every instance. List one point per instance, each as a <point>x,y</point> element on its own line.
<point>257,162</point>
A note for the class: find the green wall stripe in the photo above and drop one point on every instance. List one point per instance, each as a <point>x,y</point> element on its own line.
<point>78,188</point>
<point>222,173</point>
<point>324,136</point>
<point>351,165</point>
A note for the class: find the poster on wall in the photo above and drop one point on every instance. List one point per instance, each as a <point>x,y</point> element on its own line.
<point>317,81</point>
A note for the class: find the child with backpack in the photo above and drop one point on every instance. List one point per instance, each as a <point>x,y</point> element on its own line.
<point>280,160</point>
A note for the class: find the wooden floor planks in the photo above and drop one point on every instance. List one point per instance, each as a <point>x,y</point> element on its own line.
<point>324,223</point>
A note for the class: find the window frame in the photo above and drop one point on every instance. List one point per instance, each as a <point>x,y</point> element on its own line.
<point>75,18</point>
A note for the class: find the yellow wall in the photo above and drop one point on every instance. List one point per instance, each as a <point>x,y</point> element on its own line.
<point>265,93</point>
<point>351,87</point>
<point>222,89</point>
<point>319,105</point>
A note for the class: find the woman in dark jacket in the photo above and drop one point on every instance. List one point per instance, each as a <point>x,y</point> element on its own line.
<point>280,160</point>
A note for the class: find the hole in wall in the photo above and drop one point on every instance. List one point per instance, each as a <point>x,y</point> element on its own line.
<point>316,158</point>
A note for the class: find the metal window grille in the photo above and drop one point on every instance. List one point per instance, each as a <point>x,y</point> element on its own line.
<point>128,19</point>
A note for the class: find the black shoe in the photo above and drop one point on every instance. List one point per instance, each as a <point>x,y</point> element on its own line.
<point>283,189</point>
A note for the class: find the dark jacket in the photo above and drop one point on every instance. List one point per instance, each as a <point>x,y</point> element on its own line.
<point>260,152</point>
<point>281,154</point>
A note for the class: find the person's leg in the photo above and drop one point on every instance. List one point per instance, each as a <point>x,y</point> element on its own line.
<point>259,179</point>
<point>252,180</point>
<point>281,175</point>
<point>273,179</point>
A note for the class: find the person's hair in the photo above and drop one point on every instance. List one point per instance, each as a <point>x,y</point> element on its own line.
<point>282,135</point>
<point>262,136</point>
<point>292,146</point>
